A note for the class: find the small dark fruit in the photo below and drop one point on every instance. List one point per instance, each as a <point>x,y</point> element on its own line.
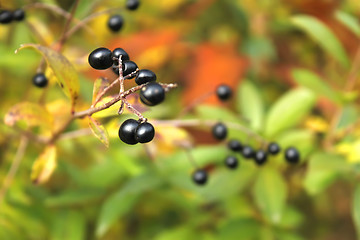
<point>117,52</point>
<point>234,145</point>
<point>115,22</point>
<point>152,94</point>
<point>223,92</point>
<point>19,14</point>
<point>40,80</point>
<point>100,58</point>
<point>145,76</point>
<point>273,148</point>
<point>260,157</point>
<point>127,131</point>
<point>292,155</point>
<point>127,67</point>
<point>145,132</point>
<point>219,131</point>
<point>247,152</point>
<point>6,16</point>
<point>132,4</point>
<point>231,162</point>
<point>200,177</point>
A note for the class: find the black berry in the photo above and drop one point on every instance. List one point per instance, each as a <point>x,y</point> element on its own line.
<point>273,148</point>
<point>127,131</point>
<point>117,52</point>
<point>19,14</point>
<point>6,17</point>
<point>231,162</point>
<point>115,23</point>
<point>144,133</point>
<point>40,80</point>
<point>127,67</point>
<point>260,157</point>
<point>152,94</point>
<point>234,145</point>
<point>223,92</point>
<point>247,152</point>
<point>100,58</point>
<point>132,4</point>
<point>219,131</point>
<point>145,76</point>
<point>292,155</point>
<point>200,177</point>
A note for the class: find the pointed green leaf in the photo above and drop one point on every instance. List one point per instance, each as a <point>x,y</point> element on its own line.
<point>44,166</point>
<point>349,21</point>
<point>250,104</point>
<point>99,131</point>
<point>270,194</point>
<point>68,224</point>
<point>64,71</point>
<point>323,36</point>
<point>356,209</point>
<point>289,110</point>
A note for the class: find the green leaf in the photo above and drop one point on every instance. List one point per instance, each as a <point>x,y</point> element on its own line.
<point>244,229</point>
<point>73,197</point>
<point>289,110</point>
<point>312,81</point>
<point>99,85</point>
<point>250,104</point>
<point>68,224</point>
<point>323,169</point>
<point>348,21</point>
<point>208,112</point>
<point>64,71</point>
<point>323,36</point>
<point>44,166</point>
<point>99,131</point>
<point>270,193</point>
<point>356,209</point>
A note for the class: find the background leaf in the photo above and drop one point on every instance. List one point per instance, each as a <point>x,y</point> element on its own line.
<point>349,21</point>
<point>356,209</point>
<point>99,131</point>
<point>44,166</point>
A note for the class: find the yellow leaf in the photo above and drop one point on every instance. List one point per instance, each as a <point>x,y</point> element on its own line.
<point>168,138</point>
<point>44,165</point>
<point>350,150</point>
<point>317,124</point>
<point>99,131</point>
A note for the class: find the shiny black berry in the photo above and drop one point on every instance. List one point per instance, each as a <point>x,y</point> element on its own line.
<point>100,58</point>
<point>132,4</point>
<point>234,145</point>
<point>200,177</point>
<point>40,80</point>
<point>219,131</point>
<point>260,157</point>
<point>273,148</point>
<point>127,67</point>
<point>19,14</point>
<point>127,131</point>
<point>292,155</point>
<point>6,16</point>
<point>115,23</point>
<point>247,152</point>
<point>152,94</point>
<point>144,133</point>
<point>117,52</point>
<point>231,162</point>
<point>223,92</point>
<point>145,76</point>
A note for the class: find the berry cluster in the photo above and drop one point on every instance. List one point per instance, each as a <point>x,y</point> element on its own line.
<point>151,93</point>
<point>7,16</point>
<point>116,21</point>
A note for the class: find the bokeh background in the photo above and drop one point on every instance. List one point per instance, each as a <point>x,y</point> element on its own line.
<point>294,68</point>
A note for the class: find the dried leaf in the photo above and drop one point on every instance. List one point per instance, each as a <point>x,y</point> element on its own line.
<point>99,85</point>
<point>99,131</point>
<point>44,166</point>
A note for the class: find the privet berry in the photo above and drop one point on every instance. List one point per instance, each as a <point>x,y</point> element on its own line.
<point>115,22</point>
<point>219,131</point>
<point>127,131</point>
<point>144,76</point>
<point>40,80</point>
<point>200,176</point>
<point>231,162</point>
<point>292,155</point>
<point>6,16</point>
<point>152,94</point>
<point>127,67</point>
<point>247,152</point>
<point>144,133</point>
<point>273,148</point>
<point>260,157</point>
<point>117,52</point>
<point>19,14</point>
<point>132,4</point>
<point>100,58</point>
<point>234,145</point>
<point>223,92</point>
